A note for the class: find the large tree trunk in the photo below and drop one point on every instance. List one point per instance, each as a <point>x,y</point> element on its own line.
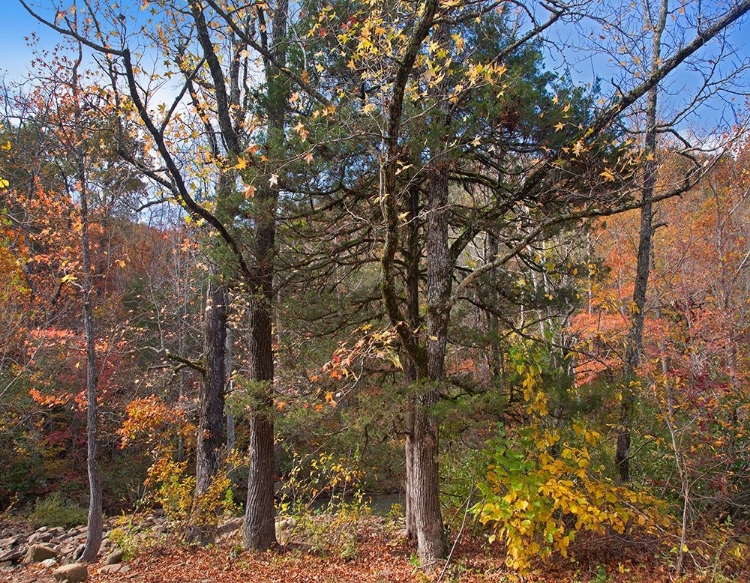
<point>430,537</point>
<point>259,529</point>
<point>211,408</point>
<point>424,484</point>
<point>634,346</point>
<point>211,412</point>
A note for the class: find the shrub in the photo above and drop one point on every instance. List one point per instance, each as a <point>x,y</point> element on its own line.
<point>54,511</point>
<point>539,490</point>
<point>324,505</point>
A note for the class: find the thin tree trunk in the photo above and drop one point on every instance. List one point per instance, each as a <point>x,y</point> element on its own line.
<point>95,521</point>
<point>493,328</point>
<point>412,309</point>
<point>634,346</point>
<point>228,384</point>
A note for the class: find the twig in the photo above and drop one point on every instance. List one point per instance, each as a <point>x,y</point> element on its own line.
<point>458,536</point>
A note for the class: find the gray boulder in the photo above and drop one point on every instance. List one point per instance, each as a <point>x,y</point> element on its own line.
<point>73,573</point>
<point>38,553</point>
<point>114,558</point>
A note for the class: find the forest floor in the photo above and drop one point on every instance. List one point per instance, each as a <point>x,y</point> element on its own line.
<point>381,557</point>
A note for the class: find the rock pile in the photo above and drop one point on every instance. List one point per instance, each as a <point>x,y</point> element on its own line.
<point>56,549</point>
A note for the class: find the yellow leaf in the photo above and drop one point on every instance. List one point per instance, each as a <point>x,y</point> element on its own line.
<point>300,129</point>
<point>6,146</point>
<point>241,164</point>
<point>558,126</point>
<point>308,157</point>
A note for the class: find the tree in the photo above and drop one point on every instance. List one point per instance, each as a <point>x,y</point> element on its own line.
<point>432,145</point>
<point>403,57</point>
<point>223,104</point>
<point>635,39</point>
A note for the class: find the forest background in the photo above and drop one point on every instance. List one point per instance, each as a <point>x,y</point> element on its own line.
<point>260,255</point>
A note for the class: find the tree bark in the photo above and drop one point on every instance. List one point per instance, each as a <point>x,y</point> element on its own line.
<point>430,540</point>
<point>94,526</point>
<point>412,257</point>
<point>259,526</point>
<point>634,346</point>
<point>259,529</point>
<point>95,518</point>
<point>228,383</point>
<point>211,413</point>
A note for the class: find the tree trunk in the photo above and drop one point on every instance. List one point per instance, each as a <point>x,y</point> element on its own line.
<point>211,413</point>
<point>634,346</point>
<point>259,526</point>
<point>95,521</point>
<point>259,529</point>
<point>430,537</point>
<point>412,313</point>
<point>228,383</point>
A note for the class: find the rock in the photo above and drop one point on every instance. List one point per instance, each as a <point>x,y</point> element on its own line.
<point>37,553</point>
<point>40,537</point>
<point>114,568</point>
<point>74,573</point>
<point>229,527</point>
<point>49,563</point>
<point>12,555</point>
<point>113,558</point>
<point>11,541</point>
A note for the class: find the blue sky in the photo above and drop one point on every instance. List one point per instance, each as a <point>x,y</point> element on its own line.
<point>17,25</point>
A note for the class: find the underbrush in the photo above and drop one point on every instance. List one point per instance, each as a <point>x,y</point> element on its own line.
<point>54,511</point>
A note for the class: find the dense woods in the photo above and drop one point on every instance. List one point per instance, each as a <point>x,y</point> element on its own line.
<point>272,259</point>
